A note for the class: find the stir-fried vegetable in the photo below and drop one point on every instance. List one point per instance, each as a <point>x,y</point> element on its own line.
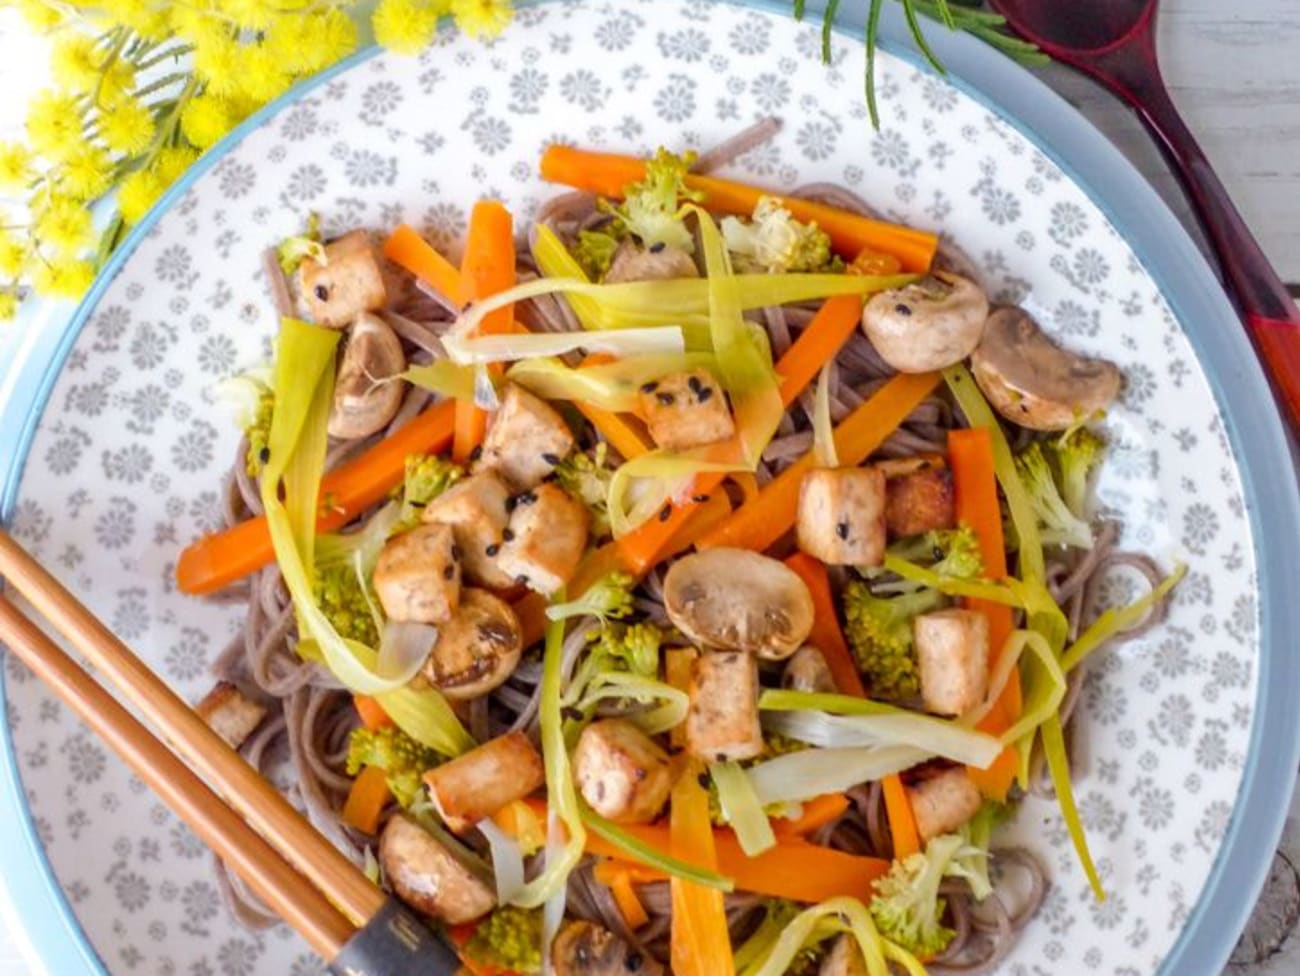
<point>741,809</point>
<point>772,240</point>
<point>403,760</point>
<point>651,208</point>
<point>407,249</point>
<point>610,386</point>
<point>610,598</point>
<point>1058,523</point>
<point>509,939</point>
<point>879,630</point>
<point>1076,454</point>
<point>291,251</point>
<point>846,915</point>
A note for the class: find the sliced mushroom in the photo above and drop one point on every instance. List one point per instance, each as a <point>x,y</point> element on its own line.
<point>927,325</point>
<point>1035,383</point>
<point>734,599</point>
<point>478,648</point>
<point>584,949</point>
<point>367,394</point>
<point>808,671</point>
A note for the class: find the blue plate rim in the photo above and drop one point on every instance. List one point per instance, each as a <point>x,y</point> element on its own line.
<point>1255,431</point>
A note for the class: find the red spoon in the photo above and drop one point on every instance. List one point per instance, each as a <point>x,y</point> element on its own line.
<point>1113,41</point>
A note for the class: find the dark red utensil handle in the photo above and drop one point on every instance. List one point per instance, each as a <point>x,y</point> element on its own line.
<point>1278,342</point>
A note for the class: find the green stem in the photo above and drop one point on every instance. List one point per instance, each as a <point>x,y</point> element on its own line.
<point>109,240</point>
<point>119,42</point>
<point>162,82</point>
<point>161,56</point>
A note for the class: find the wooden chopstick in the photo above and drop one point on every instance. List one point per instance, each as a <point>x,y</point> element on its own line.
<point>241,786</point>
<point>292,896</point>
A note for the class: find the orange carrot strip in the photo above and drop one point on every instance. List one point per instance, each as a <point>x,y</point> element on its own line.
<point>817,812</point>
<point>487,268</point>
<point>366,800</point>
<point>759,524</point>
<point>826,634</point>
<point>902,820</point>
<point>607,175</point>
<point>231,554</point>
<point>970,455</point>
<point>627,435</point>
<point>817,345</point>
<point>407,249</point>
<point>625,896</point>
<point>372,713</point>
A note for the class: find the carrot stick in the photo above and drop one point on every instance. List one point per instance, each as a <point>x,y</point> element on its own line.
<point>627,435</point>
<point>608,175</point>
<point>759,524</point>
<point>407,249</point>
<point>817,345</point>
<point>826,634</point>
<point>970,455</point>
<point>902,820</point>
<point>817,812</point>
<point>372,713</point>
<point>366,800</point>
<point>231,554</point>
<point>487,268</point>
<point>629,905</point>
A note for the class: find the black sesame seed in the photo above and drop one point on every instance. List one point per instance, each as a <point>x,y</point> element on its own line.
<point>657,246</point>
<point>720,757</point>
<point>493,549</point>
<point>573,714</point>
<point>264,455</point>
<point>649,387</point>
<point>902,309</point>
<point>456,552</point>
<point>322,293</point>
<point>511,502</point>
<point>695,384</point>
<point>699,499</point>
<point>527,498</point>
<point>508,535</point>
<point>705,394</point>
<point>448,571</point>
<point>633,962</point>
<point>674,750</point>
<point>640,774</point>
<point>416,503</point>
<point>522,579</point>
<point>665,398</point>
<point>703,780</point>
<point>551,459</point>
<point>842,530</point>
<point>477,453</point>
<point>665,513</point>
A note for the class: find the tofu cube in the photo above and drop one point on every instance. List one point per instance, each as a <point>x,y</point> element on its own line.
<point>428,877</point>
<point>685,410</point>
<point>417,577</point>
<point>623,773</point>
<point>351,281</point>
<point>230,714</point>
<point>842,516</point>
<point>635,263</point>
<point>525,439</point>
<point>844,959</point>
<point>722,721</point>
<point>545,539</point>
<point>952,654</point>
<point>480,782</point>
<point>922,501</point>
<point>944,802</point>
<point>477,509</point>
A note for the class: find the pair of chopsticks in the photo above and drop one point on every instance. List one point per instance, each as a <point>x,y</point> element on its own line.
<point>300,875</point>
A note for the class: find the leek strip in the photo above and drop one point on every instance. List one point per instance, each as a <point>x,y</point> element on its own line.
<point>622,686</point>
<point>953,586</point>
<point>741,808</point>
<point>1046,691</point>
<point>799,776</point>
<point>611,386</point>
<point>507,861</point>
<point>875,949</point>
<point>823,429</point>
<point>642,853</point>
<point>936,736</point>
<point>1058,764</point>
<point>622,342</point>
<point>426,717</point>
<point>444,378</point>
<point>1117,620</point>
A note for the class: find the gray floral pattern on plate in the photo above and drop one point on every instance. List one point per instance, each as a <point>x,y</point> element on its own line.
<point>125,466</point>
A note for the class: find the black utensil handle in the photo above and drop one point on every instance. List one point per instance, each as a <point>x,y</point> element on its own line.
<point>395,942</point>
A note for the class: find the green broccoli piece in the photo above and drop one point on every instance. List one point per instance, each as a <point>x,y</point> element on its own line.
<point>650,210</point>
<point>949,552</point>
<point>1060,526</point>
<point>628,647</point>
<point>292,250</point>
<point>258,433</point>
<point>1076,453</point>
<point>879,630</point>
<point>339,594</point>
<point>775,242</point>
<point>397,754</point>
<point>595,251</point>
<point>509,939</point>
<point>586,477</point>
<point>972,860</point>
<point>608,598</point>
<point>427,476</point>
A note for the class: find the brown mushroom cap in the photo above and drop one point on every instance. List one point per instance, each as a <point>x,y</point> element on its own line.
<point>738,600</point>
<point>1035,383</point>
<point>929,324</point>
<point>363,402</point>
<point>478,648</point>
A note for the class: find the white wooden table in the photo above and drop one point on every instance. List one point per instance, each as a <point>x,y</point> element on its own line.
<point>1234,69</point>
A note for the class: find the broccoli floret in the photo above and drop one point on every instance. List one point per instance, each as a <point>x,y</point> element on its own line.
<point>345,604</point>
<point>608,598</point>
<point>950,552</point>
<point>650,210</point>
<point>628,647</point>
<point>907,907</point>
<point>1076,453</point>
<point>972,860</point>
<point>509,939</point>
<point>258,434</point>
<point>1060,526</point>
<point>595,251</point>
<point>397,754</point>
<point>427,476</point>
<point>879,630</point>
<point>773,241</point>
<point>292,250</point>
<point>586,477</point>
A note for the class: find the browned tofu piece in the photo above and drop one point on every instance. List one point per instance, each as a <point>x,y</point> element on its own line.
<point>477,509</point>
<point>844,959</point>
<point>952,655</point>
<point>351,281</point>
<point>922,501</point>
<point>944,802</point>
<point>545,538</point>
<point>417,577</point>
<point>807,670</point>
<point>525,439</point>
<point>430,878</point>
<point>685,410</point>
<point>586,949</point>
<point>480,782</point>
<point>842,516</point>
<point>632,262</point>
<point>722,722</point>
<point>231,715</point>
<point>478,648</point>
<point>623,773</point>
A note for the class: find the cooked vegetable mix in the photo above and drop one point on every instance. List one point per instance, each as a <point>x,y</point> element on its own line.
<point>657,590</point>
